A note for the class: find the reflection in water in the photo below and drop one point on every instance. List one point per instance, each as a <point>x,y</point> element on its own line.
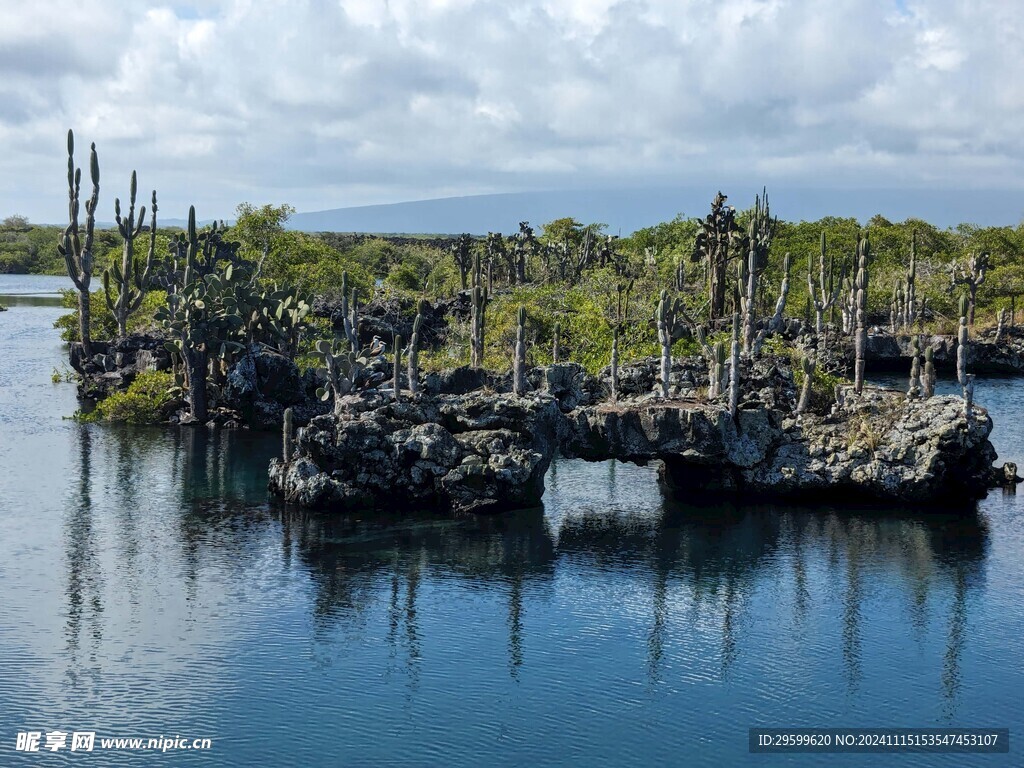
<point>700,565</point>
<point>613,625</point>
<point>955,643</point>
<point>85,580</point>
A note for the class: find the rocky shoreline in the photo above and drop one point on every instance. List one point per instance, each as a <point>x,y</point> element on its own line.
<point>484,450</point>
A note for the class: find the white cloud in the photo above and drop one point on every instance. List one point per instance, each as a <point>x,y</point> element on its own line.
<point>326,104</point>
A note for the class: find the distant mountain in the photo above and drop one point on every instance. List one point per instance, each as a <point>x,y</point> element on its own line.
<point>625,211</point>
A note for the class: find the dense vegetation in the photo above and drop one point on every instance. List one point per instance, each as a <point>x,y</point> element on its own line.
<point>567,292</point>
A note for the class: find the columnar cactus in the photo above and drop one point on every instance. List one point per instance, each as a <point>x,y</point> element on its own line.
<point>721,371</point>
<point>972,275</point>
<point>928,379</point>
<point>896,308</point>
<point>807,366</point>
<point>961,339</point>
<point>715,356</point>
<point>914,390</point>
<point>824,295</point>
<point>287,436</point>
<point>131,279</point>
<point>778,319</point>
<point>349,313</point>
<point>77,252</point>
<point>519,365</point>
<point>414,353</point>
<point>849,306</point>
<point>622,293</point>
<point>397,371</point>
<point>775,325</point>
<point>969,395</point>
<point>759,238</point>
<point>556,347</point>
<point>1001,328</point>
<point>910,292</point>
<point>478,296</point>
<point>668,311</point>
<point>734,367</point>
<point>861,339</point>
<point>615,363</point>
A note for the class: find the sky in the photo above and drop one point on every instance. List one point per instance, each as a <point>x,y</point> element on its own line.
<point>325,104</point>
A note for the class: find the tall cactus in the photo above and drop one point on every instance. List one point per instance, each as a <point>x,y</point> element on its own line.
<point>778,318</point>
<point>777,322</point>
<point>928,378</point>
<point>414,352</point>
<point>77,252</point>
<point>349,313</point>
<point>760,233</point>
<point>130,278</point>
<point>288,433</point>
<point>397,371</point>
<point>477,316</point>
<point>622,294</point>
<point>519,364</point>
<point>861,339</point>
<point>824,295</point>
<point>668,311</point>
<point>734,367</point>
<point>910,292</point>
<point>1001,328</point>
<point>715,356</point>
<point>914,391</point>
<point>556,344</point>
<point>807,366</point>
<point>961,346</point>
<point>615,363</point>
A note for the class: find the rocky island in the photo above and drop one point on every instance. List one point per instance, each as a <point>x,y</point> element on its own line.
<point>489,450</point>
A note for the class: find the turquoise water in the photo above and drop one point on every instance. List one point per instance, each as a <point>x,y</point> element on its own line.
<point>148,587</point>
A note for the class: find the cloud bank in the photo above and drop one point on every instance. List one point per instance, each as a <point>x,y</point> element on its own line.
<point>327,104</point>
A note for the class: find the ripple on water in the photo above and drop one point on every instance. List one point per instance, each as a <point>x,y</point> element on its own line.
<point>151,589</point>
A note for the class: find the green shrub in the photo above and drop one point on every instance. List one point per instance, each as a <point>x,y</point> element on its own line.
<point>142,403</point>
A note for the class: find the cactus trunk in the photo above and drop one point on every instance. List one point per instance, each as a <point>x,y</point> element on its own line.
<point>734,367</point>
<point>414,355</point>
<point>519,366</point>
<point>287,435</point>
<point>928,379</point>
<point>397,371</point>
<point>615,363</point>
<point>808,366</point>
<point>914,391</point>
<point>665,338</point>
<point>861,338</point>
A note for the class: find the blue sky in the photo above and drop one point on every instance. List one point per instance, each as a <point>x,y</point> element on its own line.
<point>329,104</point>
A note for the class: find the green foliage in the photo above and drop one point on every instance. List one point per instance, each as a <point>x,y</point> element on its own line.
<point>144,402</point>
<point>102,321</point>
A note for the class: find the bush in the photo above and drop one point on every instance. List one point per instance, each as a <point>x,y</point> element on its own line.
<point>144,401</point>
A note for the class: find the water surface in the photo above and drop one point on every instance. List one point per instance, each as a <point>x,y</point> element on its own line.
<point>150,588</point>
